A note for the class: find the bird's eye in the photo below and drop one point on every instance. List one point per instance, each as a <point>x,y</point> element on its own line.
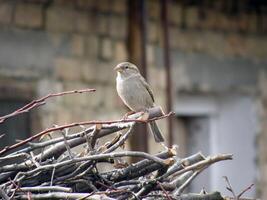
<point>126,67</point>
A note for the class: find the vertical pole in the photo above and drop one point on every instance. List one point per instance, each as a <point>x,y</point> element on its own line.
<point>166,55</point>
<point>137,55</point>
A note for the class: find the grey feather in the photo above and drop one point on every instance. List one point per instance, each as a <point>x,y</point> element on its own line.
<point>136,93</point>
<point>156,132</point>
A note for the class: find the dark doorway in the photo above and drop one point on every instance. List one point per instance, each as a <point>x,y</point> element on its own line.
<point>15,128</point>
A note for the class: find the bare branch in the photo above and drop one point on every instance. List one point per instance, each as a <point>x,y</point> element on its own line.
<point>39,102</point>
<point>62,195</point>
<point>229,186</point>
<point>8,148</point>
<point>3,194</point>
<point>44,189</point>
<point>52,169</point>
<point>245,190</point>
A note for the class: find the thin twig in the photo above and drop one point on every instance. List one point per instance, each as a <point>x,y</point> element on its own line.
<point>8,148</point>
<point>64,134</point>
<point>95,132</point>
<point>52,176</point>
<point>164,191</point>
<point>121,141</point>
<point>186,183</point>
<point>208,161</point>
<point>63,195</point>
<point>3,194</point>
<point>229,187</point>
<point>44,189</point>
<point>41,101</point>
<point>245,190</point>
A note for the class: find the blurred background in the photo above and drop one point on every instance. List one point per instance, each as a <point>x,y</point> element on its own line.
<point>206,60</point>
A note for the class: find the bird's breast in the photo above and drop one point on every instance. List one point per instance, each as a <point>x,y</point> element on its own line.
<point>133,93</point>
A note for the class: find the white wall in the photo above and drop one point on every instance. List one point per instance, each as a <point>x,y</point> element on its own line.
<point>234,131</point>
<point>232,122</point>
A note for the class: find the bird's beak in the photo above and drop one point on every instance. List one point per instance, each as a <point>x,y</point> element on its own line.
<point>118,69</point>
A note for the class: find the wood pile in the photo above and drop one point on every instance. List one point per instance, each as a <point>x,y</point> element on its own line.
<point>50,169</point>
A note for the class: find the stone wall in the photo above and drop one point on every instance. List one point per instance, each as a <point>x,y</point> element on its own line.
<point>63,45</point>
<point>216,49</point>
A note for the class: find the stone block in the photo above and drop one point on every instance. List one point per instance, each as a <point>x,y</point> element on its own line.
<point>85,4</point>
<point>150,50</point>
<point>177,40</point>
<point>78,45</point>
<point>120,51</point>
<point>233,21</point>
<point>263,23</point>
<point>89,72</point>
<point>157,78</point>
<point>5,13</point>
<point>252,22</point>
<point>153,9</point>
<point>175,13</point>
<point>235,45</point>
<point>118,27</point>
<point>68,69</point>
<point>104,5</point>
<point>65,116</point>
<point>29,15</point>
<point>97,72</point>
<point>107,74</point>
<point>243,22</point>
<point>256,47</point>
<point>220,22</point>
<point>102,24</point>
<point>57,39</point>
<point>153,31</point>
<point>110,92</point>
<point>83,23</point>
<point>210,42</point>
<point>106,49</point>
<point>44,87</point>
<point>192,20</point>
<point>119,6</point>
<point>196,41</point>
<point>68,3</point>
<point>60,19</point>
<point>77,101</point>
<point>49,85</point>
<point>211,19</point>
<point>92,46</point>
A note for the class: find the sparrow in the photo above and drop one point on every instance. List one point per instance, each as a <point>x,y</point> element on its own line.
<point>135,93</point>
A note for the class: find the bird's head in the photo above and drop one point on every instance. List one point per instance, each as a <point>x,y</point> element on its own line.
<point>126,69</point>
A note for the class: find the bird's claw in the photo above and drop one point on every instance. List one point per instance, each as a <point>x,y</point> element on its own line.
<point>164,146</point>
<point>127,114</point>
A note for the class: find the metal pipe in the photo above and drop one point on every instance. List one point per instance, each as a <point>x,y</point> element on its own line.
<point>166,58</point>
<point>137,55</point>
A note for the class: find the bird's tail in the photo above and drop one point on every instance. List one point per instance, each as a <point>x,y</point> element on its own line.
<point>156,132</point>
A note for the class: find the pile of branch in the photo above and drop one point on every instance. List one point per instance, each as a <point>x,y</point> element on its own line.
<point>51,169</point>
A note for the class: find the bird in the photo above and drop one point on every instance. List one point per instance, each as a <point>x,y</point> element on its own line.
<point>136,93</point>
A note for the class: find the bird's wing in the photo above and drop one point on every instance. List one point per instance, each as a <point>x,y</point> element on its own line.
<point>148,88</point>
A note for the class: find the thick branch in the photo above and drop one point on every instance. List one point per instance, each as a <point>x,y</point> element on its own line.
<point>69,196</point>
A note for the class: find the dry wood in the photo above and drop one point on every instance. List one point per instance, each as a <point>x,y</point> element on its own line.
<point>52,170</point>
